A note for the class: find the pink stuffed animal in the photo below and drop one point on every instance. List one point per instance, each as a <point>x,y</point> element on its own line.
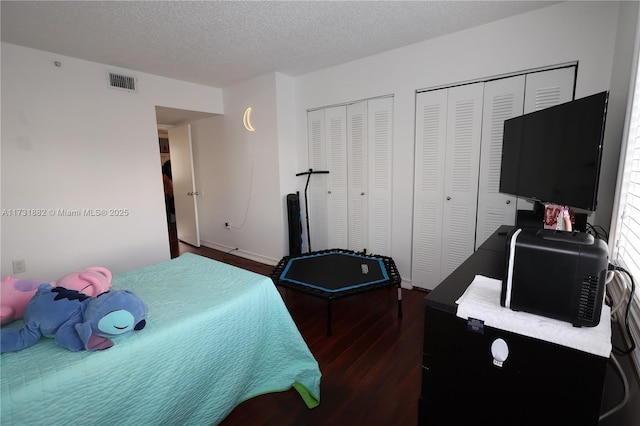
<point>92,281</point>
<point>15,294</point>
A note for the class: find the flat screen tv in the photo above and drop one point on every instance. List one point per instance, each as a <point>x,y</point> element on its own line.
<point>553,155</point>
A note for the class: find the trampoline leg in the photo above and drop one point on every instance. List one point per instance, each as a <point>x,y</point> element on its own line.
<point>329,318</point>
<point>399,302</point>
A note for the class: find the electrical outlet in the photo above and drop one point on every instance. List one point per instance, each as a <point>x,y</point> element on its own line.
<point>19,266</point>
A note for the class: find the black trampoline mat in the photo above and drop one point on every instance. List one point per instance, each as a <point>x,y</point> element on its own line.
<point>334,272</point>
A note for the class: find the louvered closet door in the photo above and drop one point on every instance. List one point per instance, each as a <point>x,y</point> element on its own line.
<point>548,88</point>
<point>317,191</point>
<point>503,99</point>
<point>380,171</point>
<point>545,89</point>
<point>464,125</point>
<point>357,175</point>
<point>430,144</point>
<point>337,187</point>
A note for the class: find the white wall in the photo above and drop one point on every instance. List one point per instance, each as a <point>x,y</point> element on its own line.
<point>238,174</point>
<point>70,142</point>
<point>287,149</point>
<point>570,31</point>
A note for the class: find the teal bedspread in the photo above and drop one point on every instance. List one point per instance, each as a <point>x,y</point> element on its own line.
<point>216,335</point>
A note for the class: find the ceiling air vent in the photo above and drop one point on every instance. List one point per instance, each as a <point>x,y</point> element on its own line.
<point>122,82</point>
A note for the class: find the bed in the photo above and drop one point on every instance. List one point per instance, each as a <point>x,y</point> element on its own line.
<point>216,335</point>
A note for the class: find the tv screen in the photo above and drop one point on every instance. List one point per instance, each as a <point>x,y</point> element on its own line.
<point>553,155</point>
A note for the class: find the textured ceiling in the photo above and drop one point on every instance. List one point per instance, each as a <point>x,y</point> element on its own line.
<point>220,43</point>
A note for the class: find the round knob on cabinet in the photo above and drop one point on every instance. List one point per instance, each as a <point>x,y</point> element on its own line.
<point>448,198</point>
<point>508,201</point>
<point>500,352</point>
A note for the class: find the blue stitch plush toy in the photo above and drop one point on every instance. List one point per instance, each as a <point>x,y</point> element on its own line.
<point>76,321</point>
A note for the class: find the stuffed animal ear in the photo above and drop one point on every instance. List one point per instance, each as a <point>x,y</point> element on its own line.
<point>92,342</point>
<point>103,271</point>
<point>140,325</point>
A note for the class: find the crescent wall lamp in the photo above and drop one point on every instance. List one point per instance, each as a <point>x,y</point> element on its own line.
<point>247,120</point>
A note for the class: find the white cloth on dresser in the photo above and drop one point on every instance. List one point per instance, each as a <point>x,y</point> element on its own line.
<point>481,301</point>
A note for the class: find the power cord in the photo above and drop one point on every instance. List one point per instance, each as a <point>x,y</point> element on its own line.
<point>224,256</point>
<point>625,383</point>
<point>612,270</point>
<point>597,231</point>
<point>627,309</point>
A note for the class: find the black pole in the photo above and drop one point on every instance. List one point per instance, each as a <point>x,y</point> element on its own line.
<point>306,211</point>
<point>306,204</point>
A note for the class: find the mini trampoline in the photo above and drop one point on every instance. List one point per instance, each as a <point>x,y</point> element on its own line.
<point>337,273</point>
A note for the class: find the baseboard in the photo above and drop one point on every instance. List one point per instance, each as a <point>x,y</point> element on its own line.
<point>406,284</point>
<point>242,253</point>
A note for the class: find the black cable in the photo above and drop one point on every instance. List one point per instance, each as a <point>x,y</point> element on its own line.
<point>627,310</point>
<point>602,234</point>
<point>224,256</point>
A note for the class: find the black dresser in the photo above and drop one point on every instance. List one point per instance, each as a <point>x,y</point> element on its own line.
<point>541,383</point>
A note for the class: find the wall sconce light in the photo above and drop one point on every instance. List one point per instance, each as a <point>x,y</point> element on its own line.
<point>247,120</point>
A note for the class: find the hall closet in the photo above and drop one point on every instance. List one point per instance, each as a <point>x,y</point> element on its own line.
<point>458,150</point>
<point>350,207</point>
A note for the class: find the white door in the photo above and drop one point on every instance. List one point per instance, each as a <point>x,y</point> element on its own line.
<point>317,189</point>
<point>380,160</point>
<point>464,128</point>
<point>447,152</point>
<point>503,99</point>
<point>336,151</point>
<point>357,175</point>
<point>430,145</point>
<point>184,189</point>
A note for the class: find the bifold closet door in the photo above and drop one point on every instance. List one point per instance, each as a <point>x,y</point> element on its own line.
<point>317,190</point>
<point>337,179</point>
<point>543,90</point>
<point>380,161</point>
<point>358,178</point>
<point>447,151</point>
<point>430,139</point>
<point>350,206</point>
<point>503,99</point>
<point>369,159</point>
<point>464,126</point>
<point>328,192</point>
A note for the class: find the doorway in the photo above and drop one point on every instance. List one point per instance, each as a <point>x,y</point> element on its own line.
<point>173,121</point>
<point>167,182</point>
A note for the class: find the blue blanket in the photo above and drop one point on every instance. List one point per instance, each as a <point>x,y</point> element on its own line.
<point>216,335</point>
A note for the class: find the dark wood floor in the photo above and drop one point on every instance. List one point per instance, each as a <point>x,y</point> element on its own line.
<point>371,366</point>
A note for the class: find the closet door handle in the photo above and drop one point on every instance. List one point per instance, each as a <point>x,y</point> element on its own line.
<point>362,193</point>
<point>448,198</point>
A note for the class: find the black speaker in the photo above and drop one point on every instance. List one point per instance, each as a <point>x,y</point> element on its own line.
<point>555,274</point>
<point>295,224</point>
